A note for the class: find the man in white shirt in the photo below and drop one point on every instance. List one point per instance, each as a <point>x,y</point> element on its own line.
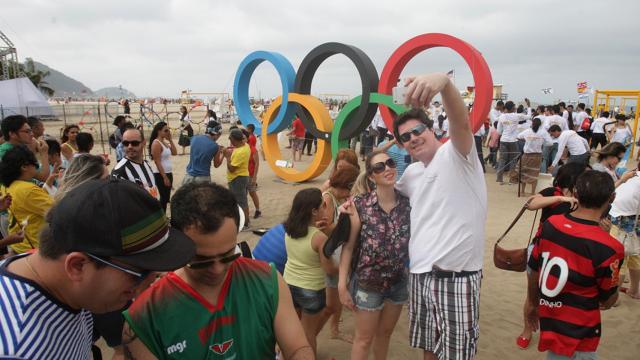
<point>381,127</point>
<point>435,110</point>
<point>497,111</point>
<point>508,124</point>
<point>580,118</point>
<point>577,146</point>
<point>445,251</point>
<point>548,150</point>
<point>563,111</point>
<point>597,130</point>
<point>555,119</point>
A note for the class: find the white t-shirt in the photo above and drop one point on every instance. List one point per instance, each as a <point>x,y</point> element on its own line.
<point>627,198</point>
<point>494,114</point>
<point>565,115</point>
<point>435,111</point>
<point>438,130</point>
<point>579,119</point>
<point>534,140</point>
<point>508,126</point>
<point>621,135</point>
<point>555,119</point>
<point>597,127</point>
<point>448,211</point>
<point>378,121</point>
<point>576,144</point>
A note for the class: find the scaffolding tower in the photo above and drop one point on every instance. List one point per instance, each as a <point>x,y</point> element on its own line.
<point>8,58</point>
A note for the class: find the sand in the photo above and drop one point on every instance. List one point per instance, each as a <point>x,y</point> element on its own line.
<point>502,292</point>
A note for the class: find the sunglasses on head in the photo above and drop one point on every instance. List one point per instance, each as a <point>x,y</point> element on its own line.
<point>417,131</point>
<point>138,275</point>
<point>203,264</point>
<point>126,143</point>
<point>379,167</point>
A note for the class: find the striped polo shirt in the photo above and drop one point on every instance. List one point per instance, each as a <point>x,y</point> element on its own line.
<point>34,325</point>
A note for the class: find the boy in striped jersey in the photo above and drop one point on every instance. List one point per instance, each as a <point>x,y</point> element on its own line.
<point>100,245</point>
<point>575,273</point>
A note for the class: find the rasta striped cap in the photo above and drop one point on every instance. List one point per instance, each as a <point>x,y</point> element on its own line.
<point>117,219</point>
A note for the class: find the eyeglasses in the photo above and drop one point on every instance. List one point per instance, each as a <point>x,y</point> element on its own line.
<point>199,265</point>
<point>379,167</point>
<point>138,275</point>
<point>133,143</point>
<point>417,131</point>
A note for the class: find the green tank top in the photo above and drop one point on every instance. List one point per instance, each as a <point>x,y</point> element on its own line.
<point>303,263</point>
<point>176,322</point>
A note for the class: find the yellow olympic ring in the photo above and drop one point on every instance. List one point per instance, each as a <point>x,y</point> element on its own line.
<point>321,159</point>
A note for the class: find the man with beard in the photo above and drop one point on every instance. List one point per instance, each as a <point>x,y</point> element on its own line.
<point>133,166</point>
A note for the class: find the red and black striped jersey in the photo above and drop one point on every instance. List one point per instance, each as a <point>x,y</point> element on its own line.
<point>578,267</point>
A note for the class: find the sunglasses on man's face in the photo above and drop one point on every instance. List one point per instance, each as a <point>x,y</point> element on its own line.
<point>379,167</point>
<point>139,276</point>
<point>133,143</point>
<point>225,259</point>
<point>417,131</point>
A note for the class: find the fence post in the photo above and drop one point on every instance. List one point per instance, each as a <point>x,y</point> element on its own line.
<point>27,108</point>
<point>64,115</point>
<point>100,126</point>
<point>1,111</point>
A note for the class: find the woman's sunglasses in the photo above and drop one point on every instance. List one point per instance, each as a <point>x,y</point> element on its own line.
<point>379,167</point>
<point>417,131</point>
<point>199,265</point>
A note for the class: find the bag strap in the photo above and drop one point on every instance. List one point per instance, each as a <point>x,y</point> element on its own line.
<point>524,208</point>
<point>533,225</point>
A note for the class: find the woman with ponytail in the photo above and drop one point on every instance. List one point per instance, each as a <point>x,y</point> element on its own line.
<point>529,166</point>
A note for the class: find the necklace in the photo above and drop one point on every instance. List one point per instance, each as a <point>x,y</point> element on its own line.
<point>40,281</point>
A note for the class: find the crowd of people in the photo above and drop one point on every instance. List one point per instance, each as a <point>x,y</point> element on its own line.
<point>91,253</point>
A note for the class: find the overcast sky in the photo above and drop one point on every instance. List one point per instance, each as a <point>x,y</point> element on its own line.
<point>160,47</point>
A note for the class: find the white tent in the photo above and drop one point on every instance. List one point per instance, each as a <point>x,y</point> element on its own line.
<point>20,96</point>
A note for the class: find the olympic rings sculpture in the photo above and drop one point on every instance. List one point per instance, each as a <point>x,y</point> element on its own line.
<point>357,113</point>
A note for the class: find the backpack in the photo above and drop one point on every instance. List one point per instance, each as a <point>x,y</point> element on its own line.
<point>112,140</point>
<point>586,124</point>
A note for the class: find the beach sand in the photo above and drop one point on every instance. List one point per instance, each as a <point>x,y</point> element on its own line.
<point>502,293</point>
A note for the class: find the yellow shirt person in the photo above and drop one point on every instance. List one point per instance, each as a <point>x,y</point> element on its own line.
<point>28,206</point>
<point>240,161</point>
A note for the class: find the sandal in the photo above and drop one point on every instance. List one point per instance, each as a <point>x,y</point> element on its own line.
<point>522,342</point>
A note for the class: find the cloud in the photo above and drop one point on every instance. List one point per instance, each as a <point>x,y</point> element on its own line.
<point>165,46</point>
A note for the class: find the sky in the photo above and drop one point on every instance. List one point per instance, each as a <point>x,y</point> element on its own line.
<point>160,47</point>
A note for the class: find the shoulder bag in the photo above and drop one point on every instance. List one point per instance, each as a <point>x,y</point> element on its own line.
<point>516,259</point>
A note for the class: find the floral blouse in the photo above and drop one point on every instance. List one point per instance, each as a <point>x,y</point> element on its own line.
<point>384,242</point>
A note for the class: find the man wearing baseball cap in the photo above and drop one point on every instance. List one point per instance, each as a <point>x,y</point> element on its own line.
<point>204,150</point>
<point>100,245</point>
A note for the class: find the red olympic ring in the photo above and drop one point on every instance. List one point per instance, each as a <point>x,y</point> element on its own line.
<point>473,57</point>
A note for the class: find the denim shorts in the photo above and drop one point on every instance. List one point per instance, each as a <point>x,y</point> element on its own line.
<point>309,301</point>
<point>370,300</point>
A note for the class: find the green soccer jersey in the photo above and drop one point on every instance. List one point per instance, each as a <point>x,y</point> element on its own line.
<point>176,322</point>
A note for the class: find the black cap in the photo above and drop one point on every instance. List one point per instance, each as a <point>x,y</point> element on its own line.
<point>116,218</point>
<point>236,134</point>
<point>213,127</point>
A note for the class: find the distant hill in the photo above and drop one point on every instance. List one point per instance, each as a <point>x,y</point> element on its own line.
<point>114,93</point>
<point>62,84</point>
